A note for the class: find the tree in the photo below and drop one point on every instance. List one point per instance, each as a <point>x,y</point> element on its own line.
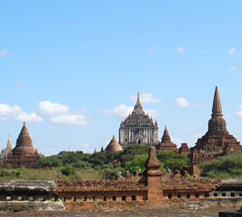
<point>172,160</point>
<point>49,162</point>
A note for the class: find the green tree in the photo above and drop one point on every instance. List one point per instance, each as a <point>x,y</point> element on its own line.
<point>138,163</point>
<point>225,167</point>
<point>172,160</point>
<point>68,170</point>
<point>49,162</point>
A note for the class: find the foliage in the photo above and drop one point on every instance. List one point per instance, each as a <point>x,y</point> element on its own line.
<point>68,170</point>
<point>225,167</point>
<point>49,162</point>
<point>138,163</point>
<point>172,160</point>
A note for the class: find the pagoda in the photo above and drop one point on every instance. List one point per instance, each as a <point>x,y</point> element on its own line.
<point>217,141</point>
<point>113,146</point>
<point>24,153</point>
<point>166,143</point>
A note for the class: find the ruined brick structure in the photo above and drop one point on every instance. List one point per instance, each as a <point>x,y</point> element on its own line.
<point>138,128</point>
<point>148,188</point>
<point>24,153</point>
<point>151,187</point>
<point>217,141</point>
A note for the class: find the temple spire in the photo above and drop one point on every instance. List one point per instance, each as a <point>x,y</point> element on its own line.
<point>217,108</point>
<point>138,105</point>
<point>166,137</point>
<point>9,144</point>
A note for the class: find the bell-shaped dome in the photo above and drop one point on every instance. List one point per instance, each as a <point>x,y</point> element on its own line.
<point>113,146</point>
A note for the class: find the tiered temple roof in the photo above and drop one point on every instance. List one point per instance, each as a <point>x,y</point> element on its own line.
<point>217,141</point>
<point>138,127</point>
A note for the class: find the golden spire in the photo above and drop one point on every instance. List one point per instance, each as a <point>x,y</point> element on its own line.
<point>138,105</point>
<point>217,108</point>
<point>138,99</point>
<point>9,144</point>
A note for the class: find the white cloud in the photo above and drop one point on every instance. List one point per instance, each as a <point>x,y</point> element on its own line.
<point>182,102</point>
<point>3,53</point>
<point>70,119</point>
<point>151,50</point>
<point>16,113</point>
<point>47,108</point>
<point>7,110</point>
<point>234,51</point>
<point>239,113</point>
<point>121,111</point>
<point>234,68</point>
<point>146,98</point>
<point>152,113</point>
<point>29,117</point>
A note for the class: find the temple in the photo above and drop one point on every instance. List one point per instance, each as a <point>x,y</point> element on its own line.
<point>217,141</point>
<point>138,128</point>
<point>24,153</point>
<point>166,143</point>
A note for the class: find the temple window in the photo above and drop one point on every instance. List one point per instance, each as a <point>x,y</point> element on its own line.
<point>94,198</point>
<point>232,194</point>
<point>104,198</point>
<point>84,198</point>
<point>197,195</point>
<point>133,197</point>
<point>169,196</point>
<point>178,195</point>
<point>188,195</point>
<point>223,194</point>
<point>73,199</point>
<point>114,198</point>
<point>215,194</point>
<point>123,198</point>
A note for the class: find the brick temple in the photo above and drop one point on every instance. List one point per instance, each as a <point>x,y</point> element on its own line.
<point>217,141</point>
<point>24,153</point>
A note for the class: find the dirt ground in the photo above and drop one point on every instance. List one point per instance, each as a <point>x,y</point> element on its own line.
<point>155,212</point>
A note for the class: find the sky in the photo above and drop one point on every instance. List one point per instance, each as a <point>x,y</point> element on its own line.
<point>72,69</point>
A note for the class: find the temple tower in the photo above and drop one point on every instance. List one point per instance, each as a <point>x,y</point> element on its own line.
<point>217,141</point>
<point>24,153</point>
<point>138,128</point>
<point>166,143</point>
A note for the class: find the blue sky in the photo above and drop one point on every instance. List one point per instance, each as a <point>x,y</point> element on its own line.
<point>72,69</point>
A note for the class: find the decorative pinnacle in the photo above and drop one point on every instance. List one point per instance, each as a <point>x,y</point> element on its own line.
<point>217,108</point>
<point>166,137</point>
<point>138,99</point>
